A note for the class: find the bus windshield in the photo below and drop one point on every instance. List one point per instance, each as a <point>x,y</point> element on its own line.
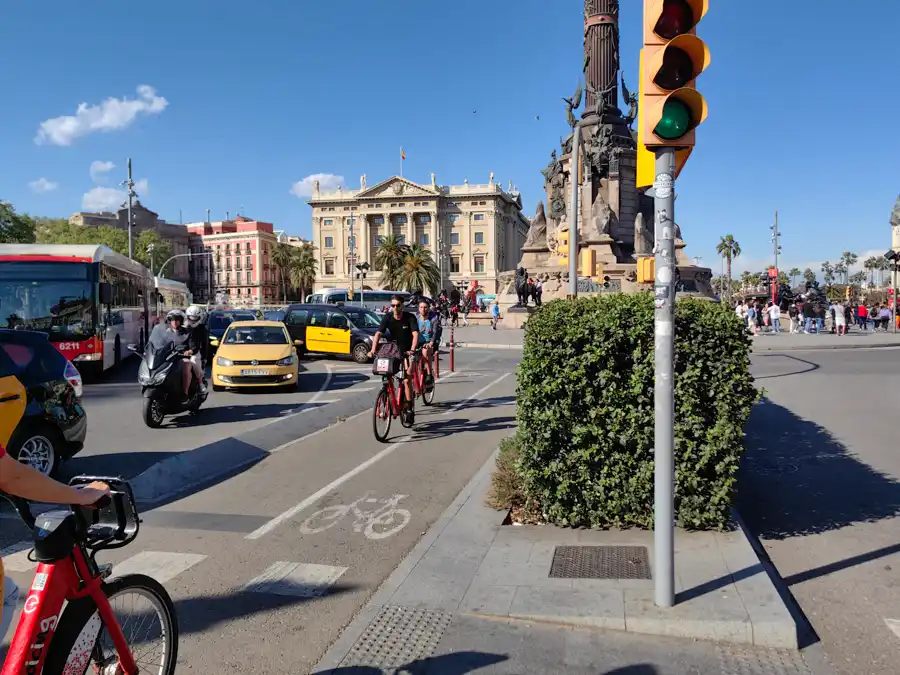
<point>54,298</point>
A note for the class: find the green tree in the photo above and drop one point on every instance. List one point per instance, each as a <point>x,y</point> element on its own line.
<point>828,272</point>
<point>783,278</point>
<point>794,273</point>
<point>849,260</point>
<point>809,275</point>
<point>840,272</point>
<point>161,252</point>
<point>858,278</point>
<point>15,228</point>
<point>389,258</point>
<point>303,268</point>
<point>418,272</point>
<point>282,258</point>
<point>728,248</point>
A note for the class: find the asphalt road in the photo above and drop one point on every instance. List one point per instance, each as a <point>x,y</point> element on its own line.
<point>820,486</point>
<point>247,559</point>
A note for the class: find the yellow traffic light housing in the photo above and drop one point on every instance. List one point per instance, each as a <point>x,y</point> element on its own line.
<point>646,270</point>
<point>670,107</point>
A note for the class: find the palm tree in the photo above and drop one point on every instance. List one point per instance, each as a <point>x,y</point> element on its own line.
<point>849,260</point>
<point>840,270</point>
<point>794,273</point>
<point>828,272</point>
<point>282,258</point>
<point>869,266</point>
<point>419,272</point>
<point>303,268</point>
<point>728,248</point>
<point>809,275</point>
<point>389,258</point>
<point>883,266</point>
<point>745,279</point>
<point>858,277</point>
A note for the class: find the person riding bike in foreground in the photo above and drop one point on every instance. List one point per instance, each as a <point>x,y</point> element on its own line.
<point>20,480</point>
<point>402,329</point>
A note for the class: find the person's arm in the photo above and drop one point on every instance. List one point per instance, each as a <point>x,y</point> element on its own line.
<point>20,480</point>
<point>414,324</point>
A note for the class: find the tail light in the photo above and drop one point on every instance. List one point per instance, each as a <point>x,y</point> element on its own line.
<point>73,377</point>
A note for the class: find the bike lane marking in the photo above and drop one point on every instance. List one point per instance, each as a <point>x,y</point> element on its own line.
<point>312,499</point>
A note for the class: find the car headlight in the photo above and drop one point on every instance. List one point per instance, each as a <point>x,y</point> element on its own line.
<point>222,361</point>
<point>287,361</point>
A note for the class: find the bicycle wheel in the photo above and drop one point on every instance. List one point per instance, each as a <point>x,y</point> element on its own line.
<point>381,415</point>
<point>387,524</point>
<point>428,385</point>
<point>81,641</point>
<point>323,520</point>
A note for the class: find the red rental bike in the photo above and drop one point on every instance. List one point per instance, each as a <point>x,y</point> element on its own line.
<point>420,381</point>
<point>391,400</point>
<point>52,640</point>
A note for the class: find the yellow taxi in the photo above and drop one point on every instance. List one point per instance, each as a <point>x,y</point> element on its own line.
<point>255,354</point>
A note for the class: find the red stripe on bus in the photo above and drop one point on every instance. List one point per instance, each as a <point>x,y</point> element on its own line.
<point>45,258</point>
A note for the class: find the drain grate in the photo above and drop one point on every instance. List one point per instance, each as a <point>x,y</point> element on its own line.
<point>600,562</point>
<point>397,637</point>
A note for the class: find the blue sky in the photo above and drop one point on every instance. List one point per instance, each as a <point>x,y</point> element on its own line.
<point>240,101</point>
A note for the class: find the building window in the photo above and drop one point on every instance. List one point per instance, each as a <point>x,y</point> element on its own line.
<point>479,216</point>
<point>400,220</point>
<point>479,237</point>
<point>249,262</point>
<point>454,238</point>
<point>379,239</point>
<point>329,242</point>
<point>346,208</point>
<point>378,220</point>
<point>227,279</point>
<point>423,239</point>
<point>482,203</point>
<point>351,221</point>
<point>454,264</point>
<point>328,221</point>
<point>329,267</point>
<point>237,278</point>
<point>479,264</point>
<point>425,219</point>
<point>454,217</point>
<point>351,242</point>
<point>376,206</point>
<point>401,239</point>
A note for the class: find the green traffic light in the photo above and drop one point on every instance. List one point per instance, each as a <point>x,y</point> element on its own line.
<point>675,121</point>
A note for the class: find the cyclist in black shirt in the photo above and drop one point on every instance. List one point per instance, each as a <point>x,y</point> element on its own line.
<point>403,329</point>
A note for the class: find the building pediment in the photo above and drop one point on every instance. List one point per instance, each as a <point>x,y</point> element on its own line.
<point>397,187</point>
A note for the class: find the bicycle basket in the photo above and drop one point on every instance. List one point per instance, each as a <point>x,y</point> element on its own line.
<point>386,365</point>
<point>116,524</point>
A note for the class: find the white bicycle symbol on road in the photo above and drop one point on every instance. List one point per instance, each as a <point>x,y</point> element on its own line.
<point>377,524</point>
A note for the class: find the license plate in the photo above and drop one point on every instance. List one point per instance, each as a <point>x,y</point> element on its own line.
<point>254,372</point>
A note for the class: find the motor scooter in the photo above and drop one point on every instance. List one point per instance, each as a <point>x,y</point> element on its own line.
<point>162,385</point>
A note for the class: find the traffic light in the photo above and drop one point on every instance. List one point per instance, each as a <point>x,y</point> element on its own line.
<point>646,270</point>
<point>669,106</point>
<point>606,282</point>
<point>848,291</point>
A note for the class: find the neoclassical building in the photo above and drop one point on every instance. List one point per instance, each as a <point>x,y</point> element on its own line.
<point>480,229</point>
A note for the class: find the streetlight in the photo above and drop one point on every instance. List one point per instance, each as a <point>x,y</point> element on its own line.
<point>361,274</point>
<point>894,258</point>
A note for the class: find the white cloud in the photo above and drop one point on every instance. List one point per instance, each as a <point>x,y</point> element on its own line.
<point>328,182</point>
<point>102,198</point>
<point>42,186</point>
<point>99,168</point>
<point>110,115</point>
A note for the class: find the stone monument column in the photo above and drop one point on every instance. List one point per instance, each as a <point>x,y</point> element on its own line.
<point>601,53</point>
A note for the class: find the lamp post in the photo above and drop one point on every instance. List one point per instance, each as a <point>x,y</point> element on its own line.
<point>363,267</point>
<point>894,258</point>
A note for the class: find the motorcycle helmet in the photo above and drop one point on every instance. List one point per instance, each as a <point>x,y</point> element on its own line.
<point>175,315</point>
<point>194,315</point>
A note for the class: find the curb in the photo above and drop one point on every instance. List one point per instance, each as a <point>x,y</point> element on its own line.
<point>484,345</point>
<point>832,347</point>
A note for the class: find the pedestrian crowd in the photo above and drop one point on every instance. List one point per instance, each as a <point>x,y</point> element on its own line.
<point>810,316</point>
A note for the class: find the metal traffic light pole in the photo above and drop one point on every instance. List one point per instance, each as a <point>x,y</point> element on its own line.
<point>664,378</point>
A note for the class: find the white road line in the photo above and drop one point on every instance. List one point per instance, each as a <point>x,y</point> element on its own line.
<point>324,386</point>
<point>301,580</point>
<point>894,625</point>
<point>161,565</point>
<point>477,394</point>
<point>312,499</point>
<point>305,407</point>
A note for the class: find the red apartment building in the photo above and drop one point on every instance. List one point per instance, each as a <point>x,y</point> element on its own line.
<point>238,271</point>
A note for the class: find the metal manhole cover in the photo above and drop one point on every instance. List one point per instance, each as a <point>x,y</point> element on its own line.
<point>600,562</point>
<point>397,637</point>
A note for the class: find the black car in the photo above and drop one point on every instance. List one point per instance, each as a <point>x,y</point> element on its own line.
<point>42,421</point>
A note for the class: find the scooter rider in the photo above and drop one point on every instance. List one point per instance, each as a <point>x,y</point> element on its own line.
<point>176,333</point>
<point>198,341</point>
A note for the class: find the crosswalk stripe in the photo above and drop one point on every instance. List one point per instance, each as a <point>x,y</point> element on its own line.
<point>161,565</point>
<point>894,625</point>
<point>295,579</point>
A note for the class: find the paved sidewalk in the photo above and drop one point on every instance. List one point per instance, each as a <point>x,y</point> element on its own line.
<point>483,337</point>
<point>767,342</point>
<point>475,594</point>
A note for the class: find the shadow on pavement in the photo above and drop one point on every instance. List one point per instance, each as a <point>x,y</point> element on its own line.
<point>797,479</point>
<point>804,367</point>
<point>475,403</point>
<point>457,663</point>
<point>441,429</point>
<point>232,413</point>
<point>124,464</point>
<point>346,380</point>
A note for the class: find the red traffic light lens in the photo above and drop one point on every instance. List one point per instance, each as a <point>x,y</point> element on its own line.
<point>676,18</point>
<point>676,71</point>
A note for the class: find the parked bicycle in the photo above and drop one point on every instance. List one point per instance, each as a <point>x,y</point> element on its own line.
<point>53,640</point>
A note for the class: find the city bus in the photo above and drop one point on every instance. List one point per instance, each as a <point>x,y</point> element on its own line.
<point>374,300</point>
<point>169,295</point>
<point>91,301</point>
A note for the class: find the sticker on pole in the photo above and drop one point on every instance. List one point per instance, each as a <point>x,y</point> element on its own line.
<point>663,186</point>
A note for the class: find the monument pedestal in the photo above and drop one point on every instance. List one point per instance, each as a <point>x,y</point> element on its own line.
<point>536,256</point>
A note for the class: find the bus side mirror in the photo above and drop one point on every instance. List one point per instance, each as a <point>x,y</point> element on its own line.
<point>106,294</point>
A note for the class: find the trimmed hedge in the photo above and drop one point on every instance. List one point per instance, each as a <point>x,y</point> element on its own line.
<point>585,410</point>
